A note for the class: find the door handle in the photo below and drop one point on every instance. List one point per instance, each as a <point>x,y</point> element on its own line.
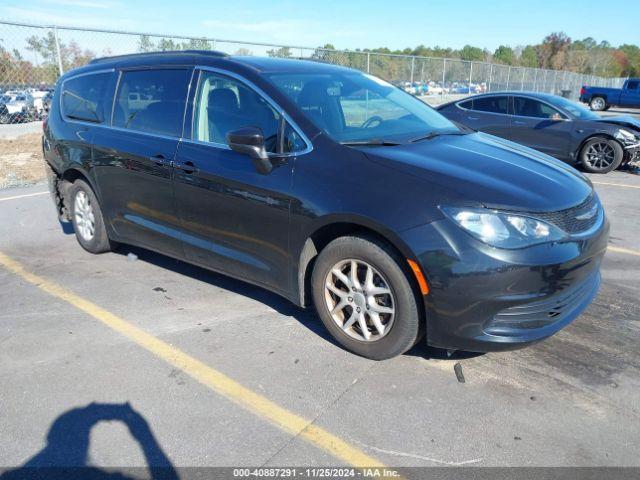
<point>518,122</point>
<point>187,167</point>
<point>472,118</point>
<point>159,160</point>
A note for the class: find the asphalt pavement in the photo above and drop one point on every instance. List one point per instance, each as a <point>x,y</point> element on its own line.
<point>99,348</point>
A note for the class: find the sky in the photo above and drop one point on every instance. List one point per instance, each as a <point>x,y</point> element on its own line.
<point>347,24</point>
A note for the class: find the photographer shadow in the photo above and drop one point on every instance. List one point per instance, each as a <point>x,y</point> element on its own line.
<point>66,454</point>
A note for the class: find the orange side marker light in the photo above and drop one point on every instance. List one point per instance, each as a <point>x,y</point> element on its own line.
<point>422,282</point>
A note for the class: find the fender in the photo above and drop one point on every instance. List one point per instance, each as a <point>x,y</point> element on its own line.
<point>312,240</point>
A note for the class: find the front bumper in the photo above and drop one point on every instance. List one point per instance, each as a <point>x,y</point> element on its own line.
<point>487,299</point>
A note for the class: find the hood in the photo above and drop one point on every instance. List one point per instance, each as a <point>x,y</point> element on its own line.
<point>482,169</point>
<point>624,120</point>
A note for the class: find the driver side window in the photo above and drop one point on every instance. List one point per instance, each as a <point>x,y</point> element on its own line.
<point>224,104</point>
<point>528,107</point>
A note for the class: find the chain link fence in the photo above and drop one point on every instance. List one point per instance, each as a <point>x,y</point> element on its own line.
<point>35,55</point>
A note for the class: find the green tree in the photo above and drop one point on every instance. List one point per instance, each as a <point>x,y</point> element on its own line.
<point>282,52</point>
<point>71,55</point>
<point>323,53</point>
<point>422,51</point>
<point>504,54</point>
<point>197,44</point>
<point>529,57</point>
<point>45,47</point>
<point>633,56</point>
<point>585,44</point>
<point>167,45</point>
<point>471,53</point>
<point>145,44</point>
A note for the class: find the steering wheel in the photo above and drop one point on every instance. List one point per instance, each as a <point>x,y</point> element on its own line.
<point>369,122</point>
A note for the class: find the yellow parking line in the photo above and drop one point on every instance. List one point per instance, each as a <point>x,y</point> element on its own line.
<point>215,380</point>
<point>627,251</point>
<point>15,197</point>
<point>616,184</point>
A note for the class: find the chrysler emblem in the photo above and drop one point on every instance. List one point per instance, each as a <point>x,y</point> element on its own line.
<point>588,214</point>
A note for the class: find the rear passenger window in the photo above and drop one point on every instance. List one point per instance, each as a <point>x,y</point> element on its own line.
<point>487,104</point>
<point>491,104</point>
<point>152,101</point>
<point>84,97</point>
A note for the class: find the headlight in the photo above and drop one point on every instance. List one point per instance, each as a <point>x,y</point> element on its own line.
<point>626,136</point>
<point>503,229</point>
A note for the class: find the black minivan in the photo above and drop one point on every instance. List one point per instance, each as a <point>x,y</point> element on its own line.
<point>332,188</point>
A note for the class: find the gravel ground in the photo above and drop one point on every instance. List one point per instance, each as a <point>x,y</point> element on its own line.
<point>21,161</point>
<point>15,130</point>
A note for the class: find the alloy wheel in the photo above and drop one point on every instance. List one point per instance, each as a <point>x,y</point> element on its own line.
<point>359,300</point>
<point>598,104</point>
<point>600,155</point>
<point>84,216</point>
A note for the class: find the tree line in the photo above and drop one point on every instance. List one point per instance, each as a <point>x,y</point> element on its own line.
<point>556,52</point>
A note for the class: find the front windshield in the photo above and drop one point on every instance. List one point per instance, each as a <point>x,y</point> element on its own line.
<point>354,107</point>
<point>575,109</point>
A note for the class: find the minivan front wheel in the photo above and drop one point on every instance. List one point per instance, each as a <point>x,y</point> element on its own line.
<point>86,218</point>
<point>365,298</point>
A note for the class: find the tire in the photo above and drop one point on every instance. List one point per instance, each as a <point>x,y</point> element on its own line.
<point>87,220</point>
<point>597,104</point>
<point>402,328</point>
<point>601,155</point>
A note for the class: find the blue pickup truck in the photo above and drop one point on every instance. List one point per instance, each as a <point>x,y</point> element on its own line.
<point>599,98</point>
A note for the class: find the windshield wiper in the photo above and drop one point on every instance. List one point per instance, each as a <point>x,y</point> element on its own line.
<point>373,141</point>
<point>435,134</point>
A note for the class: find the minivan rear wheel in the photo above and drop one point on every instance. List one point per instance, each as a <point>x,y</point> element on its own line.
<point>365,298</point>
<point>87,219</point>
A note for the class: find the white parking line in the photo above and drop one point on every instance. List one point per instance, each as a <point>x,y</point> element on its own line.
<point>627,251</point>
<point>16,197</point>
<point>616,184</point>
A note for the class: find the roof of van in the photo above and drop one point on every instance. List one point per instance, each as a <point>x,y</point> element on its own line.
<point>287,65</point>
<point>211,57</point>
<point>158,55</point>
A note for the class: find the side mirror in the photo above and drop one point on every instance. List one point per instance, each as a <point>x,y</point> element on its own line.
<point>250,141</point>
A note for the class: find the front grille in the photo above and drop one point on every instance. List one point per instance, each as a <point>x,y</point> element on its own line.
<point>568,219</point>
<point>537,314</point>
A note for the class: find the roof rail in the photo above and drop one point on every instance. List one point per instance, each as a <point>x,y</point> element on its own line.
<point>311,59</point>
<point>212,53</point>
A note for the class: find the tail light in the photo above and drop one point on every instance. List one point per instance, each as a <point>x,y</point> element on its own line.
<point>44,124</point>
<point>583,90</point>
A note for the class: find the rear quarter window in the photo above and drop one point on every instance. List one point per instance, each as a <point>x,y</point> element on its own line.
<point>86,97</point>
